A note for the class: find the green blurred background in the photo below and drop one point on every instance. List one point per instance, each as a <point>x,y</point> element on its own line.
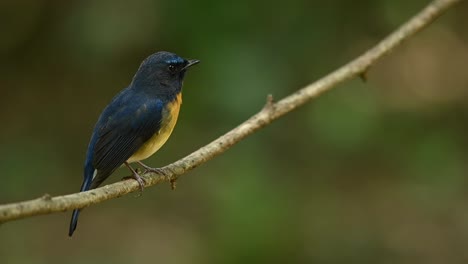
<point>371,172</point>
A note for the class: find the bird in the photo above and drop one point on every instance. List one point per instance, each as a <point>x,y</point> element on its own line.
<point>136,123</point>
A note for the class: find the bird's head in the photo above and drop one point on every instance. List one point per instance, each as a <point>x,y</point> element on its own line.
<point>163,71</point>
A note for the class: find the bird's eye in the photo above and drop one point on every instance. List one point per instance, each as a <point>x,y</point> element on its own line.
<point>171,68</point>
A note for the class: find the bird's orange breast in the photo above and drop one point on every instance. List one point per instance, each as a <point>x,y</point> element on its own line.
<point>169,119</point>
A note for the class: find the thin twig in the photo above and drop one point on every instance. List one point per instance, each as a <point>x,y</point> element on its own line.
<point>271,111</point>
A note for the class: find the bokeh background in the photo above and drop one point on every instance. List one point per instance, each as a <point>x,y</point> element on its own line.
<point>373,172</point>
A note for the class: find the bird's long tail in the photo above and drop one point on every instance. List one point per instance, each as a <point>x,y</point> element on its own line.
<point>88,179</point>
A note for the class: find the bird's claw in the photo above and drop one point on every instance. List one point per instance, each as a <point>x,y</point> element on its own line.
<point>137,177</point>
<point>140,181</point>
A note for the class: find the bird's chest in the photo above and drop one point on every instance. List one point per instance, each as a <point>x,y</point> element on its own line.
<point>169,119</point>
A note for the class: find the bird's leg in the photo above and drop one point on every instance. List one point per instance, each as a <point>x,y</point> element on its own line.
<point>137,177</point>
<point>148,168</point>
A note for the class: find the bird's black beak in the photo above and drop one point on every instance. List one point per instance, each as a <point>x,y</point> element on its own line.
<point>190,63</point>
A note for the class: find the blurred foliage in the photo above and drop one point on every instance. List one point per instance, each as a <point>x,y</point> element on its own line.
<point>371,172</point>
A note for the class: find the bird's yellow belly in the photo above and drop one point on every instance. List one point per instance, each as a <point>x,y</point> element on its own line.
<point>169,117</point>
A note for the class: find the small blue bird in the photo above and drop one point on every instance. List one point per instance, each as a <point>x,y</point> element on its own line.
<point>137,122</point>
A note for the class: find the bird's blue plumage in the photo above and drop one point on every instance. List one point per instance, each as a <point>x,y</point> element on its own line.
<point>133,117</point>
<point>125,125</point>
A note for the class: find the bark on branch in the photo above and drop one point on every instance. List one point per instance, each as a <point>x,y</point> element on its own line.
<point>271,111</point>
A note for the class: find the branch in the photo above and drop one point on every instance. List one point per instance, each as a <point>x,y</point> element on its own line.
<point>271,112</point>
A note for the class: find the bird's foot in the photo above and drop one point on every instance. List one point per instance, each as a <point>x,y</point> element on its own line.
<point>137,177</point>
<point>150,169</point>
<point>140,181</point>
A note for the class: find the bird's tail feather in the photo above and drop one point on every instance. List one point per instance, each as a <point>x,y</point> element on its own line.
<point>88,179</point>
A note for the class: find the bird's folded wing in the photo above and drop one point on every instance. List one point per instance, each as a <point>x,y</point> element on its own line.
<point>122,132</point>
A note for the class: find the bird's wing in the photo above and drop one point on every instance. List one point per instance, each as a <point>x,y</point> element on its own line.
<point>125,125</point>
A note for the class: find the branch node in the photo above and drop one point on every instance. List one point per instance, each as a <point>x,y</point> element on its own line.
<point>173,183</point>
<point>363,75</point>
<point>46,197</point>
<point>269,102</point>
